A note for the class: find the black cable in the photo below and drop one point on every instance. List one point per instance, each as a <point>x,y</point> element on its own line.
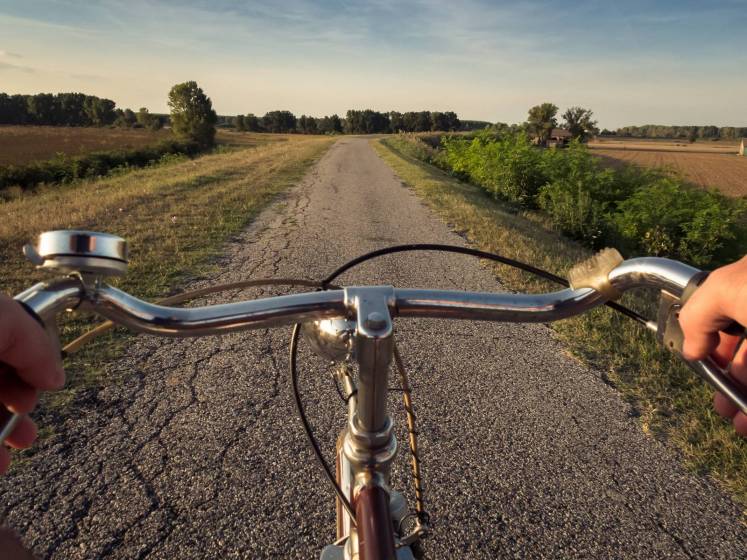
<point>475,253</point>
<point>307,427</point>
<point>327,284</point>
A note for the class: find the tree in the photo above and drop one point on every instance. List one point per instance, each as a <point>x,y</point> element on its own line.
<point>541,121</point>
<point>98,111</point>
<point>192,114</point>
<point>148,120</point>
<point>252,123</point>
<point>240,123</point>
<point>579,123</point>
<point>279,121</point>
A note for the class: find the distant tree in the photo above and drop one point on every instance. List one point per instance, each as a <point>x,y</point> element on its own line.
<point>396,121</point>
<point>579,123</point>
<point>148,120</point>
<point>252,123</point>
<point>692,134</point>
<point>366,122</point>
<point>99,112</point>
<point>542,120</point>
<point>307,125</point>
<point>41,108</point>
<point>192,114</point>
<point>330,125</point>
<point>240,123</point>
<point>444,121</point>
<point>279,121</point>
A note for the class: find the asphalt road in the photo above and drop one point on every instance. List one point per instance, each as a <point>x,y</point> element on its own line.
<point>194,451</point>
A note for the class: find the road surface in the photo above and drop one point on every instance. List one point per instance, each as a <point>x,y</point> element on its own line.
<point>194,451</point>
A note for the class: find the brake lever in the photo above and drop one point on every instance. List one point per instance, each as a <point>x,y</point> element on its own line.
<point>669,334</point>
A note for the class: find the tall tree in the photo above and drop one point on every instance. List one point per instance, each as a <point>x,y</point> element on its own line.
<point>192,114</point>
<point>240,123</point>
<point>252,123</point>
<point>542,120</point>
<point>279,121</point>
<point>579,123</point>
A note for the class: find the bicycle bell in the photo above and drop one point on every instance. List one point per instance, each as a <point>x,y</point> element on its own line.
<point>79,251</point>
<point>330,338</point>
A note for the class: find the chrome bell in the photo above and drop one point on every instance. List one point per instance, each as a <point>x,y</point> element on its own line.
<point>332,339</point>
<point>79,251</point>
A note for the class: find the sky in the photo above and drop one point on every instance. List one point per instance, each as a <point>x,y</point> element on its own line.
<point>632,62</point>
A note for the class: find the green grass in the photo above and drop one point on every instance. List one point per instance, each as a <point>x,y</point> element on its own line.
<point>670,401</point>
<point>176,219</point>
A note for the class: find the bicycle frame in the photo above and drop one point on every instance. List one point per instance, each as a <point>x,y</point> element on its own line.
<point>367,446</point>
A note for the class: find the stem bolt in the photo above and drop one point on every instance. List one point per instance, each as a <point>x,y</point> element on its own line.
<point>375,320</point>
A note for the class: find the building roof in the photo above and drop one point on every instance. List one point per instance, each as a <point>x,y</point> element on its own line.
<point>560,133</point>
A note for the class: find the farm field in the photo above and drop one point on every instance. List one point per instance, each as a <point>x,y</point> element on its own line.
<point>707,164</point>
<point>23,144</point>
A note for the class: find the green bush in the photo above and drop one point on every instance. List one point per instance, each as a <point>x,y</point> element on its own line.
<point>668,219</point>
<point>652,212</point>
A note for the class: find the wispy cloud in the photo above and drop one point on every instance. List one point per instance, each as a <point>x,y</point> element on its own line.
<point>9,54</point>
<point>7,66</point>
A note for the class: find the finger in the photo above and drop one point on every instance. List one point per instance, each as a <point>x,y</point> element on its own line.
<point>16,395</point>
<point>23,435</point>
<point>27,348</point>
<point>740,424</point>
<point>724,352</point>
<point>738,368</point>
<point>723,406</point>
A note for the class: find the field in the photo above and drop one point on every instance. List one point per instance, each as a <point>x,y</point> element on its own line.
<point>24,144</point>
<point>707,164</point>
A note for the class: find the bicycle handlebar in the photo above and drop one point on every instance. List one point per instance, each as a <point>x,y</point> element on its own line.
<point>47,299</point>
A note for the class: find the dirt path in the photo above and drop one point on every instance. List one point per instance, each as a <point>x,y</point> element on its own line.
<point>195,452</point>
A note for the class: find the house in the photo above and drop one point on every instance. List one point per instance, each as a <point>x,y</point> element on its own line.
<point>559,138</point>
<point>743,147</point>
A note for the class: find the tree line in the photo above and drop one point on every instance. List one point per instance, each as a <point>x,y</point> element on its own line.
<point>686,132</point>
<point>364,121</point>
<point>72,109</point>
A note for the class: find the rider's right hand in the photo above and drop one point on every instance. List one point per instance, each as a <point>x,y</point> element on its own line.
<point>29,362</point>
<point>721,300</point>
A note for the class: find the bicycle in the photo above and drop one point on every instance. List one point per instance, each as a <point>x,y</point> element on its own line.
<point>352,326</point>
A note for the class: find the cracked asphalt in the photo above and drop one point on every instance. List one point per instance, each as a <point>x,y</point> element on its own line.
<point>194,450</point>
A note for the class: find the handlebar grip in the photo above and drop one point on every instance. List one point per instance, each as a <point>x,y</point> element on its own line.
<point>734,328</point>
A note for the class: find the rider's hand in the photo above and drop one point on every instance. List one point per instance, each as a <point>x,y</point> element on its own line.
<point>28,362</point>
<point>720,300</point>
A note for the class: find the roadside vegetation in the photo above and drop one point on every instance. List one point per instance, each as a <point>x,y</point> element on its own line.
<point>520,199</point>
<point>176,218</point>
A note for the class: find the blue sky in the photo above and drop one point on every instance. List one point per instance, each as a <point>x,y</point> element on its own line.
<point>632,62</point>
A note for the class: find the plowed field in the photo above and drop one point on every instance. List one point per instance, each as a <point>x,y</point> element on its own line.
<point>714,169</point>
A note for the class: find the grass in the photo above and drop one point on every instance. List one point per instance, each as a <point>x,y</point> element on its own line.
<point>175,217</point>
<point>670,401</point>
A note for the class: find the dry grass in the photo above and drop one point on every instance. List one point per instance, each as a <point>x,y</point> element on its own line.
<point>210,198</point>
<point>669,400</point>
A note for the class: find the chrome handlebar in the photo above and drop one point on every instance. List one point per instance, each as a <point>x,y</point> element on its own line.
<point>88,292</point>
<point>47,299</point>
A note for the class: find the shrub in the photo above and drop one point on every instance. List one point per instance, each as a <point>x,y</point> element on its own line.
<point>668,218</point>
<point>641,211</point>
